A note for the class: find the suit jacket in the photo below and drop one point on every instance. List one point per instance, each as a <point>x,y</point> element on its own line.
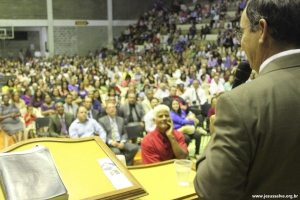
<point>103,112</point>
<point>125,111</point>
<point>105,123</point>
<point>95,114</point>
<point>256,145</point>
<point>74,108</point>
<point>55,125</point>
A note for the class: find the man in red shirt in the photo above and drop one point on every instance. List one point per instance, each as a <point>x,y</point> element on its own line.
<point>164,143</point>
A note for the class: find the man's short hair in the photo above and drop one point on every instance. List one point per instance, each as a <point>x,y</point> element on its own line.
<point>284,24</point>
<point>79,108</point>
<point>160,108</point>
<point>58,103</point>
<point>148,91</point>
<point>154,98</point>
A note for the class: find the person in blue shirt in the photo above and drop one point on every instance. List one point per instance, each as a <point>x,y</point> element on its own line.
<point>186,125</point>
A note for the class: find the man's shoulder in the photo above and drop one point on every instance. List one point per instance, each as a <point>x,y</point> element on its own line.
<point>103,119</point>
<point>53,117</point>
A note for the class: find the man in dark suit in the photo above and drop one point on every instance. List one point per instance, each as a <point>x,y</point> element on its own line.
<point>133,111</point>
<point>60,122</point>
<point>116,134</point>
<point>91,113</point>
<point>69,107</point>
<point>256,144</point>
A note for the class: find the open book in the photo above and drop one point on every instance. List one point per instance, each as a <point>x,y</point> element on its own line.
<point>31,174</point>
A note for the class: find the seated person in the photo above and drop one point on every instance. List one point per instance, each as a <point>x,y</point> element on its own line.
<point>48,107</point>
<point>116,134</point>
<point>29,119</point>
<point>20,103</point>
<point>149,123</point>
<point>185,125</point>
<point>60,122</point>
<point>167,100</point>
<point>70,107</point>
<point>164,143</point>
<point>56,97</point>
<point>91,113</point>
<point>133,112</point>
<point>10,121</point>
<point>27,96</point>
<point>110,99</point>
<point>76,99</point>
<point>85,127</point>
<point>212,109</point>
<point>38,99</point>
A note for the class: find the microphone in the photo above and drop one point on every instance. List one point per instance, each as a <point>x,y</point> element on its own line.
<point>242,74</point>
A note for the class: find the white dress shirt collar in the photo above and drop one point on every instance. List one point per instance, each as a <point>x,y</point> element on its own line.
<point>281,54</point>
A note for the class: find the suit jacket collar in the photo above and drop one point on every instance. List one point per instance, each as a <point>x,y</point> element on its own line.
<point>284,62</point>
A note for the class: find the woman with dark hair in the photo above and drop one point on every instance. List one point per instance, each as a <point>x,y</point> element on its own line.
<point>186,125</point>
<point>33,80</point>
<point>127,80</point>
<point>103,86</point>
<point>56,97</point>
<point>15,99</point>
<point>48,81</point>
<point>87,85</point>
<point>48,107</point>
<point>80,78</point>
<point>27,96</point>
<point>81,91</point>
<point>38,99</point>
<point>64,89</point>
<point>97,96</point>
<point>142,94</point>
<point>140,86</point>
<point>212,109</point>
<point>9,85</point>
<point>112,93</point>
<point>10,121</point>
<point>152,80</point>
<point>183,80</point>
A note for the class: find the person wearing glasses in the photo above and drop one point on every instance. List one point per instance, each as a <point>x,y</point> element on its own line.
<point>256,144</point>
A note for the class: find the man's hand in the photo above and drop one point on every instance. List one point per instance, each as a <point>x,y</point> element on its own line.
<point>114,144</point>
<point>121,145</point>
<point>12,115</point>
<point>169,131</point>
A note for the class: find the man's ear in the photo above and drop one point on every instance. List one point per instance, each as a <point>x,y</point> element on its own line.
<point>264,29</point>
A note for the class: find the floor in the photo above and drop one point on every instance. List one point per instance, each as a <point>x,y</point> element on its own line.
<point>191,148</point>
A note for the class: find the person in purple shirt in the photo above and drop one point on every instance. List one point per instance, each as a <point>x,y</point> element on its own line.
<point>179,120</point>
<point>81,91</point>
<point>72,86</point>
<point>48,107</point>
<point>38,99</point>
<point>27,96</point>
<point>212,62</point>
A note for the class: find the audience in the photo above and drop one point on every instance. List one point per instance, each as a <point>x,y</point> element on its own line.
<point>173,66</point>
